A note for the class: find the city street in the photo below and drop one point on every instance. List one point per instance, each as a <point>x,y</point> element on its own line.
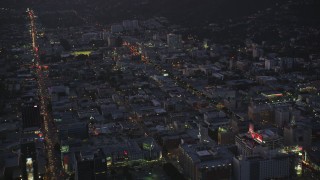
<point>53,170</point>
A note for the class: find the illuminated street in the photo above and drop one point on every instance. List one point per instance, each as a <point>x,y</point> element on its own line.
<point>53,170</point>
<point>157,90</point>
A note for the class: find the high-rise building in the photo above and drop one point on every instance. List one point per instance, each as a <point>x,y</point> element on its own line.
<point>255,142</point>
<point>28,158</point>
<point>31,116</point>
<point>283,115</point>
<point>297,134</point>
<point>84,170</point>
<point>239,125</point>
<point>260,112</point>
<point>225,136</point>
<point>90,165</point>
<point>280,166</point>
<point>99,165</point>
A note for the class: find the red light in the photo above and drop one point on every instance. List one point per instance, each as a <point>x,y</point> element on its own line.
<point>251,128</point>
<point>259,138</point>
<point>66,159</point>
<point>125,152</point>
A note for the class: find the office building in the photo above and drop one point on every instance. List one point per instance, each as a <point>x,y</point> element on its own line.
<point>90,165</point>
<point>283,115</point>
<point>297,135</point>
<point>31,116</point>
<point>260,112</point>
<point>74,130</point>
<point>29,163</point>
<point>225,136</point>
<point>201,161</point>
<point>255,142</point>
<point>280,166</point>
<point>83,168</point>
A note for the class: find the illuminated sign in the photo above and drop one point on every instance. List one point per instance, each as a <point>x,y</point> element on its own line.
<point>78,53</point>
<point>65,149</point>
<point>57,119</point>
<point>222,130</point>
<point>109,161</point>
<point>146,146</point>
<point>272,95</point>
<point>256,136</point>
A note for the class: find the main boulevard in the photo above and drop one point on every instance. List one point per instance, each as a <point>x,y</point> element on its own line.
<point>53,167</point>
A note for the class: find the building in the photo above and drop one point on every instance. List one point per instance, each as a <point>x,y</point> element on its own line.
<point>260,112</point>
<point>29,163</point>
<point>225,136</point>
<point>87,37</point>
<point>269,64</point>
<point>117,28</point>
<point>239,125</point>
<point>242,65</point>
<point>139,149</point>
<point>95,160</point>
<point>286,63</point>
<point>201,161</point>
<point>252,142</point>
<point>31,117</point>
<point>268,80</point>
<point>212,114</point>
<point>99,165</point>
<point>90,165</point>
<point>83,167</point>
<point>256,51</point>
<point>114,41</point>
<point>174,41</point>
<point>280,166</point>
<point>130,25</point>
<point>297,134</point>
<point>283,115</point>
<point>74,130</point>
